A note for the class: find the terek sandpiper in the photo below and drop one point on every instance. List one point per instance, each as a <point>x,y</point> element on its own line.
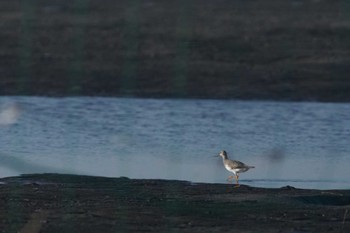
<point>233,166</point>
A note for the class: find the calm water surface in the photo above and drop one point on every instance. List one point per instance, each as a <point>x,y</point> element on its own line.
<point>297,144</point>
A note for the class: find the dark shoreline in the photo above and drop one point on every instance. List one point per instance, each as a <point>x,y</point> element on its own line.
<point>252,50</point>
<point>72,203</point>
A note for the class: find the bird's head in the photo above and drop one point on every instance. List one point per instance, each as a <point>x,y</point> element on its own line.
<point>223,154</point>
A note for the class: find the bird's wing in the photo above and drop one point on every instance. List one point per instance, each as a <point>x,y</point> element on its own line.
<point>236,164</point>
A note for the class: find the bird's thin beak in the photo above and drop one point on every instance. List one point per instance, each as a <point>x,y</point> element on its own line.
<point>216,155</point>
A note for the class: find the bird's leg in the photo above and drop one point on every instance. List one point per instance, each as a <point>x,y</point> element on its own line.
<point>229,179</point>
<point>237,185</point>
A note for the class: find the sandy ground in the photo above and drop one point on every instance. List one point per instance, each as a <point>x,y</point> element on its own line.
<point>70,203</point>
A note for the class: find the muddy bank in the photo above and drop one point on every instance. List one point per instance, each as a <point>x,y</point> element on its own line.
<point>70,203</point>
<point>281,50</point>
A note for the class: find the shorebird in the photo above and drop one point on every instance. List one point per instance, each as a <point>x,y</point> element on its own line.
<point>233,166</point>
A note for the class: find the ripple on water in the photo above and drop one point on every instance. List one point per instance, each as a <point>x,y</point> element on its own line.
<point>176,139</point>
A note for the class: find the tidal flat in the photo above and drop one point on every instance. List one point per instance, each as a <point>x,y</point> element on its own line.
<point>73,203</point>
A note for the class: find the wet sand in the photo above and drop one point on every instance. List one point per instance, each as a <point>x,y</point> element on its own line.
<point>70,203</point>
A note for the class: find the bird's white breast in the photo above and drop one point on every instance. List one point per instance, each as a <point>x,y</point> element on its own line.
<point>230,169</point>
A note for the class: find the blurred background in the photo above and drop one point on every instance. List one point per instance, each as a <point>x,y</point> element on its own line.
<point>155,89</point>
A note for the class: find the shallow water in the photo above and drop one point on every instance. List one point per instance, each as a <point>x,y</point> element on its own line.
<point>304,145</point>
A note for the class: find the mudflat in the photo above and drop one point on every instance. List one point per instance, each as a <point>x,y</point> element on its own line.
<point>72,203</point>
<point>271,49</point>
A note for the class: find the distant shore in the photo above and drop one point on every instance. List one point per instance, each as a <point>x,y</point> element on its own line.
<point>71,203</point>
<point>265,50</point>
